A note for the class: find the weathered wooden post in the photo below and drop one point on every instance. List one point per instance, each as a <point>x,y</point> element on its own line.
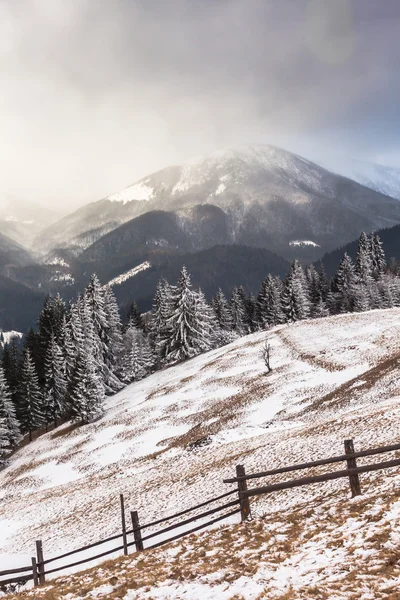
<point>40,562</point>
<point>124,538</point>
<point>242,487</point>
<point>352,464</point>
<point>137,534</point>
<point>35,572</point>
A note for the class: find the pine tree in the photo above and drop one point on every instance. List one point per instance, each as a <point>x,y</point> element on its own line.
<point>238,312</point>
<point>363,264</point>
<point>55,390</point>
<point>343,285</point>
<point>31,400</point>
<point>86,391</point>
<point>134,317</point>
<point>138,355</point>
<point>295,295</point>
<point>269,305</point>
<point>163,309</point>
<point>377,256</point>
<point>222,311</point>
<point>7,414</point>
<point>113,341</point>
<point>189,327</point>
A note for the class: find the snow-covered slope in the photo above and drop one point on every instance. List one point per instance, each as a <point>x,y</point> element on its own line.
<point>381,178</point>
<point>268,196</point>
<point>332,379</point>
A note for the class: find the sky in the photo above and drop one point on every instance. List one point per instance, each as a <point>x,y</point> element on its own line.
<point>95,94</point>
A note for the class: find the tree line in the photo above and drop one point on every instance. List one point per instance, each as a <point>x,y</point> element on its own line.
<point>79,355</point>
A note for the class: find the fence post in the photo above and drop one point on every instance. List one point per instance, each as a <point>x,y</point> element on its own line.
<point>242,487</point>
<point>125,541</point>
<point>352,464</point>
<point>35,572</point>
<point>40,561</point>
<point>137,534</point>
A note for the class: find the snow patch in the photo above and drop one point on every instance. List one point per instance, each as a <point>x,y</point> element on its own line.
<point>304,243</point>
<point>129,274</point>
<point>138,191</point>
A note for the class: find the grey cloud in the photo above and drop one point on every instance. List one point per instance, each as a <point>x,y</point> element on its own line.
<point>97,93</point>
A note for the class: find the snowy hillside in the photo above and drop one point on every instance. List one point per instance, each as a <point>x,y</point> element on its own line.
<point>332,379</point>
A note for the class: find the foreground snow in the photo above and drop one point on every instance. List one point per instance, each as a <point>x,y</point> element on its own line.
<point>332,379</point>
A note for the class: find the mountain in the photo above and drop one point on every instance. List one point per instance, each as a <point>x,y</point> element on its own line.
<point>333,379</point>
<point>380,178</point>
<point>391,243</point>
<point>22,221</point>
<point>269,197</point>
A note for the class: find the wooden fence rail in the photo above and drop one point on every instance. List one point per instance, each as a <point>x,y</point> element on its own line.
<point>37,570</point>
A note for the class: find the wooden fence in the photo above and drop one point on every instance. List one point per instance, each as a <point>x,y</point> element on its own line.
<point>38,569</point>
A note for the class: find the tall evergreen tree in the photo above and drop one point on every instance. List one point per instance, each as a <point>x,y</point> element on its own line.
<point>343,285</point>
<point>295,295</point>
<point>31,399</point>
<point>134,317</point>
<point>238,312</point>
<point>85,391</point>
<point>269,305</point>
<point>7,414</point>
<point>222,311</point>
<point>377,256</point>
<point>55,389</point>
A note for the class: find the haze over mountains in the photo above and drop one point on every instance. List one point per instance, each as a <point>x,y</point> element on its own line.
<point>260,202</point>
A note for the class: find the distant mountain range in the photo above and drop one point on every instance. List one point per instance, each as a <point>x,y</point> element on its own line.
<point>261,196</point>
<point>266,203</point>
<point>22,221</point>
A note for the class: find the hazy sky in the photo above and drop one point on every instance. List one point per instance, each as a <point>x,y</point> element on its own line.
<point>95,94</point>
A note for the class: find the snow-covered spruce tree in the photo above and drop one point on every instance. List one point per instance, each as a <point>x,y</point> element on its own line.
<point>317,292</point>
<point>113,342</point>
<point>344,286</point>
<point>238,312</point>
<point>12,369</point>
<point>269,305</point>
<point>96,327</point>
<point>377,256</point>
<point>363,272</point>
<point>189,326</point>
<point>138,354</point>
<point>7,414</point>
<point>31,410</point>
<point>222,311</point>
<point>51,323</point>
<point>134,317</point>
<point>208,324</point>
<point>163,309</point>
<point>295,295</point>
<point>85,391</point>
<point>55,388</point>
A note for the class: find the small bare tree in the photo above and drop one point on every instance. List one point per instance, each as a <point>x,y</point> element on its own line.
<point>266,355</point>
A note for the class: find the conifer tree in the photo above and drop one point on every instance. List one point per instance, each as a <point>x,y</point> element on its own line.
<point>8,417</point>
<point>163,309</point>
<point>238,312</point>
<point>31,399</point>
<point>85,391</point>
<point>55,389</point>
<point>295,295</point>
<point>377,256</point>
<point>269,305</point>
<point>138,355</point>
<point>343,286</point>
<point>222,311</point>
<point>113,341</point>
<point>189,325</point>
<point>134,317</point>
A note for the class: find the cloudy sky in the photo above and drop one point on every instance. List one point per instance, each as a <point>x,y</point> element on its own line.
<point>95,94</point>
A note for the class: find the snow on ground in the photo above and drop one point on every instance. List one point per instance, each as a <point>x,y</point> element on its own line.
<point>332,379</point>
<point>131,273</point>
